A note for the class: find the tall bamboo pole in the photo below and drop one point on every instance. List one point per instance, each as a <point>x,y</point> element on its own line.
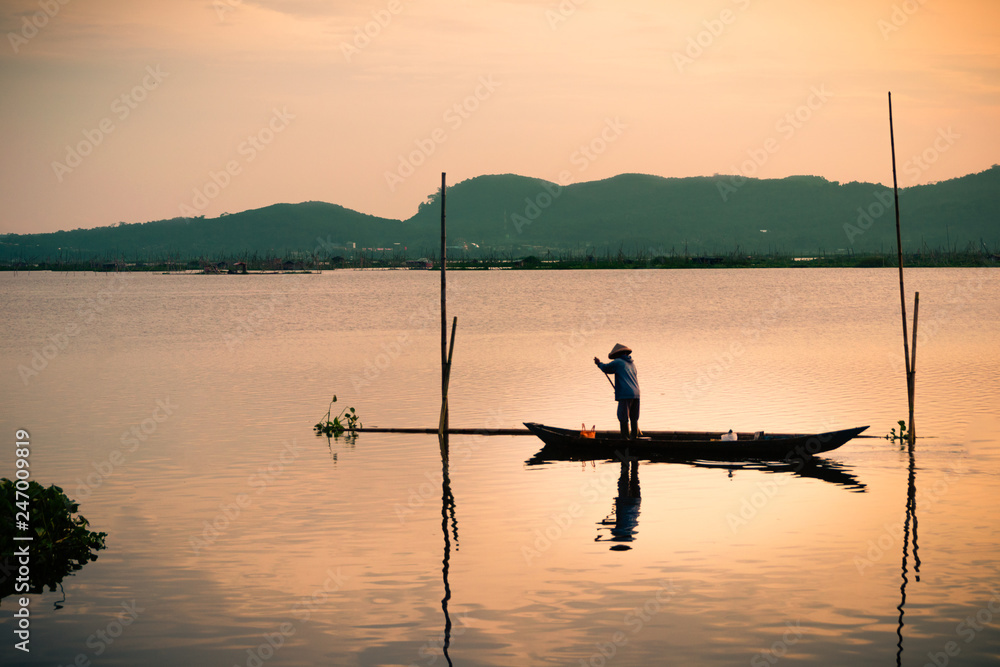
<point>912,384</point>
<point>902,291</point>
<point>443,421</point>
<point>447,499</point>
<point>444,311</point>
<point>899,242</point>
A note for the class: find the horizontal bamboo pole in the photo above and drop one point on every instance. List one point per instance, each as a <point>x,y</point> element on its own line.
<point>454,431</point>
<point>500,431</point>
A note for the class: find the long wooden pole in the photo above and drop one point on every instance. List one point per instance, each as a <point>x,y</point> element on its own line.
<point>443,422</point>
<point>451,346</point>
<point>447,499</point>
<point>912,384</point>
<point>899,242</point>
<point>444,311</point>
<point>461,431</point>
<point>499,431</point>
<point>902,291</point>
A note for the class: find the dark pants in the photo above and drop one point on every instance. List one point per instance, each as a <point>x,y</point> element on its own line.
<point>628,411</point>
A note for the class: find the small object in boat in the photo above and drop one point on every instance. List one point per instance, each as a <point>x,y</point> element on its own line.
<point>730,435</point>
<point>584,433</point>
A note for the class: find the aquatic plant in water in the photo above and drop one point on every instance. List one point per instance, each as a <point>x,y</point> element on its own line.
<point>903,435</point>
<point>61,542</point>
<point>347,421</point>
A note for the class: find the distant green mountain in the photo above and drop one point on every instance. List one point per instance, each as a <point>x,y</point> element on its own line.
<point>277,230</point>
<point>701,215</point>
<point>801,214</point>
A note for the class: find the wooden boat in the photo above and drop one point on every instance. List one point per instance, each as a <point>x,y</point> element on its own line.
<point>698,445</point>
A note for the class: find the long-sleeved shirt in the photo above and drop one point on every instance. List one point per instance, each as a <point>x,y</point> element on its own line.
<point>626,380</point>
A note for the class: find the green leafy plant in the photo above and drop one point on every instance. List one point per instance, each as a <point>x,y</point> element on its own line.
<point>903,435</point>
<point>62,542</point>
<point>346,421</point>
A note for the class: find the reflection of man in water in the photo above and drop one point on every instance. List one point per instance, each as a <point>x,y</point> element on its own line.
<point>626,511</point>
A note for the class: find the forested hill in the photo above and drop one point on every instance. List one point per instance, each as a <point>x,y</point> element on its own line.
<point>701,215</point>
<point>801,214</point>
<point>277,230</point>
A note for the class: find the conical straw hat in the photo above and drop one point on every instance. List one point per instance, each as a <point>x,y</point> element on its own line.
<point>619,350</point>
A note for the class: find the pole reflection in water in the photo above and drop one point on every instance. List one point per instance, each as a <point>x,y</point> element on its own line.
<point>447,510</point>
<point>911,519</point>
<point>624,518</point>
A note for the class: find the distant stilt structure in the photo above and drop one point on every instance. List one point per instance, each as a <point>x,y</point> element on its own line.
<point>910,364</point>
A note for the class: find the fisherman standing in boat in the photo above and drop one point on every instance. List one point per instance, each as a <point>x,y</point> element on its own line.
<point>626,387</point>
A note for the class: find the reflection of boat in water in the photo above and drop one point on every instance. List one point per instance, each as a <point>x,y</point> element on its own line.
<point>826,471</point>
<point>620,526</point>
<point>815,468</point>
<point>695,445</point>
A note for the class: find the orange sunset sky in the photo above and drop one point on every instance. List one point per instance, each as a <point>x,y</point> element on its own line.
<point>135,111</point>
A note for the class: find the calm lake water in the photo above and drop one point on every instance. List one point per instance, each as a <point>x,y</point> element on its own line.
<point>178,411</point>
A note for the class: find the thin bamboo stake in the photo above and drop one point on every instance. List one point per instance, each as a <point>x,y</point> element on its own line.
<point>451,347</point>
<point>501,431</point>
<point>444,312</point>
<point>910,364</point>
<point>899,243</point>
<point>455,431</point>
<point>912,382</point>
<point>443,421</point>
<point>442,429</point>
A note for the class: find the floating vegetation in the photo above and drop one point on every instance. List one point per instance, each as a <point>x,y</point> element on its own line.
<point>61,540</point>
<point>346,421</point>
<point>901,436</point>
